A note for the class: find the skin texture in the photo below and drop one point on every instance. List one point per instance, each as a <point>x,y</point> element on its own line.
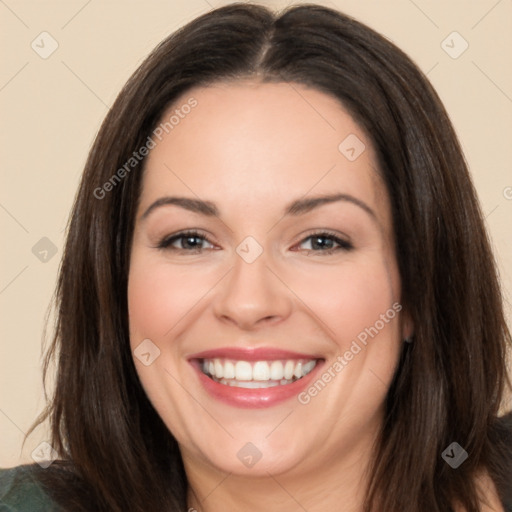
<point>252,149</point>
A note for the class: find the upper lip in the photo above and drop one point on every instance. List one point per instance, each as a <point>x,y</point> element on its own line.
<point>251,354</point>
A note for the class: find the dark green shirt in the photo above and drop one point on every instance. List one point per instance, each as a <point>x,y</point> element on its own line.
<point>21,492</point>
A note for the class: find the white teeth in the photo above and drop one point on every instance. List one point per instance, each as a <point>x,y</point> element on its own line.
<point>258,373</point>
<point>276,370</point>
<point>229,370</point>
<point>288,369</point>
<point>251,384</point>
<point>308,367</point>
<point>243,371</point>
<point>261,371</point>
<point>219,369</point>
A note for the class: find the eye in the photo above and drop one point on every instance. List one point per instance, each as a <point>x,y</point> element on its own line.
<point>192,242</point>
<point>325,243</point>
<point>186,241</point>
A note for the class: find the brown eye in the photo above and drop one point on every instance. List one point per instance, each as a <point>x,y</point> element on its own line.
<point>325,243</point>
<point>189,241</point>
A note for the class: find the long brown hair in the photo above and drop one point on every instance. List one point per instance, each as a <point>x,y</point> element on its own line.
<point>449,381</point>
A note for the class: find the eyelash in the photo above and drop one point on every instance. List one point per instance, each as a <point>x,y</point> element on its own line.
<point>165,243</point>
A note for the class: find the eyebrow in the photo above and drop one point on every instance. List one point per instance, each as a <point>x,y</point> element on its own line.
<point>295,208</point>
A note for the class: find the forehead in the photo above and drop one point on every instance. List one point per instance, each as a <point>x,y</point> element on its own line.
<point>261,144</point>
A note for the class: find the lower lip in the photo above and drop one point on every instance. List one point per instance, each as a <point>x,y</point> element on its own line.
<point>254,398</point>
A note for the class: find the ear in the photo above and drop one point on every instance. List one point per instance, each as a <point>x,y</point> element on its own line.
<point>407,326</point>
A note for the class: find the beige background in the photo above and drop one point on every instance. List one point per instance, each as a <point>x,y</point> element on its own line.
<point>51,109</point>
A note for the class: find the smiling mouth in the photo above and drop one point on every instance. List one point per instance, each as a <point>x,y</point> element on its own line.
<point>256,374</point>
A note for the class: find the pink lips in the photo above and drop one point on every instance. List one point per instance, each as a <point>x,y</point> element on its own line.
<point>252,398</point>
<point>251,354</point>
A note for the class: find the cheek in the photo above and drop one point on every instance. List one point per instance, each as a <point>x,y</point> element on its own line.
<point>146,304</point>
<point>159,296</point>
<point>157,299</point>
<point>345,298</point>
<point>350,297</point>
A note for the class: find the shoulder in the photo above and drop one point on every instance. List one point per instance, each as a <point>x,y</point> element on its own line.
<point>494,483</point>
<point>20,491</point>
<point>491,501</point>
<point>503,445</point>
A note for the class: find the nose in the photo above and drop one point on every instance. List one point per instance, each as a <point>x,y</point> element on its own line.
<point>253,296</point>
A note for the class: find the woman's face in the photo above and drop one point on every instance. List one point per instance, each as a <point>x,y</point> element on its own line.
<point>290,272</point>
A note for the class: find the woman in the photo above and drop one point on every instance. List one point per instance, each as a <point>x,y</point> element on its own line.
<point>277,291</point>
